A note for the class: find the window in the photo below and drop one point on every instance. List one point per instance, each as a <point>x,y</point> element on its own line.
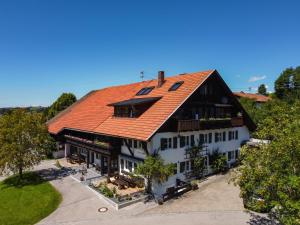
<point>174,142</point>
<point>218,137</point>
<point>83,151</point>
<point>192,140</point>
<point>135,144</point>
<point>170,143</point>
<point>201,138</point>
<point>187,165</point>
<point>122,163</point>
<point>176,86</point>
<point>229,156</point>
<point>182,167</point>
<point>163,143</point>
<point>237,154</point>
<point>187,140</point>
<point>224,136</point>
<point>182,141</point>
<point>130,166</point>
<point>134,165</point>
<point>236,134</point>
<point>210,138</point>
<point>145,91</point>
<point>97,156</point>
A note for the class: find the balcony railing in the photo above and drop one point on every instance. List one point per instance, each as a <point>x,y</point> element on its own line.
<point>213,123</point>
<point>237,121</point>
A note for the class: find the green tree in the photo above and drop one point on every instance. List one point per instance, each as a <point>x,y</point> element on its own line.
<point>250,106</point>
<point>24,140</point>
<point>218,161</point>
<point>197,160</point>
<point>63,102</point>
<point>154,169</point>
<point>287,86</point>
<point>269,175</point>
<point>262,90</point>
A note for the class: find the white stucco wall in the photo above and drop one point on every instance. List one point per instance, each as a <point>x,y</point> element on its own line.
<point>178,155</point>
<point>137,152</point>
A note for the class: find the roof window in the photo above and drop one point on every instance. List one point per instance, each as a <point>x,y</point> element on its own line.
<point>145,91</point>
<point>176,86</point>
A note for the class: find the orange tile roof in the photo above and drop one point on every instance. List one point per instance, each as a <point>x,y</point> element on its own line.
<point>256,97</point>
<point>92,113</point>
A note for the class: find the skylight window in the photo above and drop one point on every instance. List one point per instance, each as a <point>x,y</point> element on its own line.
<point>145,91</point>
<point>176,86</point>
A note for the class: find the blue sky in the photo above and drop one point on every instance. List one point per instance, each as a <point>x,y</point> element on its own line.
<point>50,47</point>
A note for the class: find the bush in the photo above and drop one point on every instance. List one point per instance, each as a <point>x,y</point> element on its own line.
<point>257,205</point>
<point>106,191</point>
<point>194,184</point>
<point>218,162</point>
<point>57,164</point>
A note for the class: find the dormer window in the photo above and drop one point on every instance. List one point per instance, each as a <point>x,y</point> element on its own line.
<point>134,107</point>
<point>176,86</point>
<point>145,91</point>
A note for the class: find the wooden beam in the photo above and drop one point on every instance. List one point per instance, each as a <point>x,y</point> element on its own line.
<point>144,145</point>
<point>127,145</point>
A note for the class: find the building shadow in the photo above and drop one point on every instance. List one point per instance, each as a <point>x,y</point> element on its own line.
<point>56,173</point>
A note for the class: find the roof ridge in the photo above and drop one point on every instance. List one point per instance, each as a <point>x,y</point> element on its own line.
<point>96,116</point>
<point>145,81</point>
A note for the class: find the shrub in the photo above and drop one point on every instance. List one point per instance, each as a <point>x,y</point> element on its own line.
<point>57,164</point>
<point>218,162</point>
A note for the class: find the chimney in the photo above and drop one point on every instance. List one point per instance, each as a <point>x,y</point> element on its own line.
<point>160,78</point>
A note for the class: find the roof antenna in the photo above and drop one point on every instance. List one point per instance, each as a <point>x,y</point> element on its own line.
<point>142,75</point>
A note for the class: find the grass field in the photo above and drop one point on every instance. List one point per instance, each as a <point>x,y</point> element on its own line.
<point>28,201</point>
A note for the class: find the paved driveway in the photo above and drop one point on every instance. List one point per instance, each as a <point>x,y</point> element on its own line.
<point>216,202</point>
<point>214,194</point>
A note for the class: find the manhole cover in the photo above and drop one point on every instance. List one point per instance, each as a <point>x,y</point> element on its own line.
<point>103,209</point>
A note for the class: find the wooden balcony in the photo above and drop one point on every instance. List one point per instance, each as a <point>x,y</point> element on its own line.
<point>214,123</point>
<point>237,121</point>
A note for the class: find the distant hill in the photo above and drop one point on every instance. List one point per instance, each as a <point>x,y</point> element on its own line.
<point>30,108</point>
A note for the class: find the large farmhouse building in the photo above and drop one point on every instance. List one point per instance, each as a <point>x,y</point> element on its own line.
<point>115,128</point>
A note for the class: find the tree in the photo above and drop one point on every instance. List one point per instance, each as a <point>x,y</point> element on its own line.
<point>250,106</point>
<point>262,90</point>
<point>154,169</point>
<point>218,161</point>
<point>287,86</point>
<point>197,160</point>
<point>269,175</point>
<point>63,102</point>
<point>24,140</point>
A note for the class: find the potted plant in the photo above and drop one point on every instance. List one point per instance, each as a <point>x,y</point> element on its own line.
<point>194,185</point>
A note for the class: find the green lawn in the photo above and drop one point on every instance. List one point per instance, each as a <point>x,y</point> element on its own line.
<point>26,202</point>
